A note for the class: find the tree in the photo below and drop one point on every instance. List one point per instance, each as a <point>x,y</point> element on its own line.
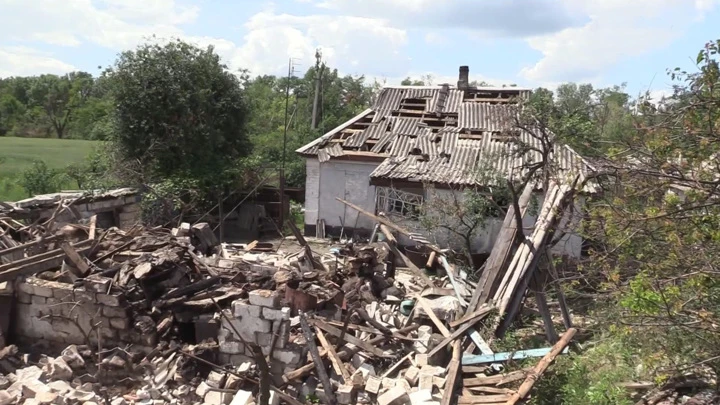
<point>59,96</point>
<point>659,223</point>
<point>178,111</point>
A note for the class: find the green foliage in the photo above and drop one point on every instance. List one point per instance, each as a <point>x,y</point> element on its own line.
<point>178,111</point>
<point>40,179</point>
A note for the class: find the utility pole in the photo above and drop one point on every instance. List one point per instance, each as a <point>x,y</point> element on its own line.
<point>284,152</point>
<point>318,77</point>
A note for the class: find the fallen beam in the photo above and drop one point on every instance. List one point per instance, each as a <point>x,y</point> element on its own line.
<point>505,356</point>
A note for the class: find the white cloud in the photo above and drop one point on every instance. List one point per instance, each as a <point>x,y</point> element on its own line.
<point>16,61</point>
<point>435,38</point>
<point>617,29</point>
<point>352,44</point>
<point>57,38</point>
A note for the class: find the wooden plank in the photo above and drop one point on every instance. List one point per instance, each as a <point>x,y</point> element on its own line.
<point>453,373</point>
<point>505,356</point>
<point>431,259</point>
<point>542,365</point>
<point>468,317</point>
<point>319,365</point>
<point>384,221</point>
<point>500,253</point>
<point>22,247</point>
<point>388,235</point>
<point>397,365</point>
<point>349,338</point>
<point>542,305</point>
<point>451,276</point>
<point>334,358</point>
<point>38,266</point>
<point>79,267</point>
<point>459,332</point>
<point>428,310</point>
<point>496,380</point>
<point>93,227</point>
<point>567,319</point>
<point>483,399</point>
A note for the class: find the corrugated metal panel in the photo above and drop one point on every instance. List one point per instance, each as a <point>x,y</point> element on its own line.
<point>357,139</point>
<point>388,100</point>
<point>455,99</point>
<point>375,130</point>
<point>485,116</point>
<point>383,142</point>
<point>408,126</point>
<point>420,92</point>
<point>401,145</point>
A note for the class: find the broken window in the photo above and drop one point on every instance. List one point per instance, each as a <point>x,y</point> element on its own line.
<point>396,202</point>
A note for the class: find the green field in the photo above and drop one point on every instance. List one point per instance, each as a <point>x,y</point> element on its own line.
<point>18,154</point>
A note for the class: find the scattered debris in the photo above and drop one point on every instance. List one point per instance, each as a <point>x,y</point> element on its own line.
<point>152,315</point>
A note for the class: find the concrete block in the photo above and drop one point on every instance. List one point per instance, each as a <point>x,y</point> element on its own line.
<point>120,323</point>
<point>63,294</point>
<point>425,381</point>
<point>42,288</point>
<point>270,314</point>
<point>114,312</point>
<point>412,374</point>
<point>420,397</point>
<point>345,394</point>
<point>97,283</point>
<point>216,379</point>
<point>403,383</point>
<point>23,297</point>
<point>84,296</point>
<point>109,300</point>
<point>274,398</point>
<point>202,389</point>
<point>242,397</point>
<point>373,384</point>
<point>38,300</point>
<point>439,382</point>
<point>434,370</point>
<point>250,325</point>
<point>232,347</point>
<point>265,339</point>
<point>132,208</point>
<point>422,359</point>
<point>388,382</point>
<point>127,216</point>
<point>242,309</point>
<point>265,298</point>
<point>366,370</point>
<point>288,355</point>
<point>394,396</point>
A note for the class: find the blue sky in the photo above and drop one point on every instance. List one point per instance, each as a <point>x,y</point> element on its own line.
<point>526,42</point>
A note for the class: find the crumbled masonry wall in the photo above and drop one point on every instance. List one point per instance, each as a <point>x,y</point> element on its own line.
<point>59,313</point>
<point>124,211</point>
<point>257,319</point>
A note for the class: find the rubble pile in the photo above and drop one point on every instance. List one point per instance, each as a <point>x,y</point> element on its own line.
<point>156,316</point>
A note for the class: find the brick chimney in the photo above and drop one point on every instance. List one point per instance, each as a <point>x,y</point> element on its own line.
<point>464,78</point>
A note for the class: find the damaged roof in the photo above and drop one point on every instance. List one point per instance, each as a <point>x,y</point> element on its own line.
<point>440,134</point>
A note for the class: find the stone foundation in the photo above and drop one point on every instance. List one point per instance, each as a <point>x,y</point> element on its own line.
<point>58,313</point>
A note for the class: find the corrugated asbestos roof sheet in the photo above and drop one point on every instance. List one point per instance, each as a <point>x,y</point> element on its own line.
<point>421,152</point>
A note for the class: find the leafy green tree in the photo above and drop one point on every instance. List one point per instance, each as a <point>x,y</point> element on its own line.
<point>178,111</point>
<point>59,96</point>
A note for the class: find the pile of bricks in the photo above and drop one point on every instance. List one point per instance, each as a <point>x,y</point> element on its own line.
<point>59,313</point>
<point>261,320</point>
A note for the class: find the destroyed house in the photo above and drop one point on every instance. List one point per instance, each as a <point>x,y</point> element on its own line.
<point>417,142</point>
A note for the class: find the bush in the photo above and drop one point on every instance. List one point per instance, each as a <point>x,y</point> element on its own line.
<point>40,179</point>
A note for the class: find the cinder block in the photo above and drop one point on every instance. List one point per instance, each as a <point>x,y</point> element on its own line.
<point>420,397</point>
<point>38,300</point>
<point>242,398</point>
<point>41,287</point>
<point>289,355</point>
<point>132,208</point>
<point>109,300</point>
<point>23,298</point>
<point>120,323</point>
<point>411,375</point>
<point>394,396</point>
<point>373,384</point>
<point>252,325</point>
<point>216,379</point>
<point>114,312</point>
<point>270,314</point>
<point>231,347</point>
<point>345,394</point>
<point>425,381</point>
<point>243,309</point>
<point>218,398</point>
<point>265,298</point>
<point>84,296</point>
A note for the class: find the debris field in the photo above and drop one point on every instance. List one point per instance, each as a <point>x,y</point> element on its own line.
<point>143,315</point>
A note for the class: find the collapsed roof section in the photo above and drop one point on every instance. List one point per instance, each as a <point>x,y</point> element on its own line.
<point>442,135</point>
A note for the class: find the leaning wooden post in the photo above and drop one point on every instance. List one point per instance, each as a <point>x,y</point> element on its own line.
<point>541,367</point>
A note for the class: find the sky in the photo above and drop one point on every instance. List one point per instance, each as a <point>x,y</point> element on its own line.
<point>529,43</point>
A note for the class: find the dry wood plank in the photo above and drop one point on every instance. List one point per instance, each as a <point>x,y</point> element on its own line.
<point>428,310</point>
<point>93,227</point>
<point>567,320</point>
<point>384,221</point>
<point>334,358</point>
<point>453,374</point>
<point>496,380</point>
<point>541,367</point>
<point>44,262</point>
<point>482,399</point>
<point>250,246</point>
<point>542,305</point>
<point>344,354</point>
<point>431,259</point>
<point>367,329</point>
<point>492,390</point>
<point>319,366</point>
<point>500,253</point>
<point>79,267</point>
<point>24,246</point>
<point>388,235</point>
<point>459,332</point>
<point>349,338</point>
<point>479,312</point>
